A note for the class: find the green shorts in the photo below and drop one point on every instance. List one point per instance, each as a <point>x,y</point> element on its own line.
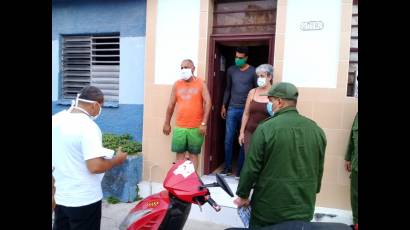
<point>187,139</point>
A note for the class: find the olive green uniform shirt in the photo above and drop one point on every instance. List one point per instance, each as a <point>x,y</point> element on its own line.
<point>352,156</point>
<point>285,166</point>
<point>352,151</point>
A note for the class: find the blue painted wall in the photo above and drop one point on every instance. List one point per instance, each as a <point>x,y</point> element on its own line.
<point>128,17</point>
<point>121,120</point>
<point>132,58</point>
<point>84,16</point>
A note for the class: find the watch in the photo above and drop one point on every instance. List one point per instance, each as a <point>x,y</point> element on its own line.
<point>203,123</point>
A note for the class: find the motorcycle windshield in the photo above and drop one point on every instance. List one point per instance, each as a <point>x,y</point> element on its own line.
<point>182,179</point>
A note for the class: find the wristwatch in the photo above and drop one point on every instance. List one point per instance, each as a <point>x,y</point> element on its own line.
<point>203,123</point>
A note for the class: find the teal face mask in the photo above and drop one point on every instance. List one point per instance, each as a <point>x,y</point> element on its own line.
<point>240,62</point>
<point>269,108</point>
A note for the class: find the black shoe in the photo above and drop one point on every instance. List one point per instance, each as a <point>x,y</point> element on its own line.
<point>237,175</point>
<point>227,172</point>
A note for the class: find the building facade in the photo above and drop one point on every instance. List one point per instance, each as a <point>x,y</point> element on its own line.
<point>312,44</point>
<point>308,43</point>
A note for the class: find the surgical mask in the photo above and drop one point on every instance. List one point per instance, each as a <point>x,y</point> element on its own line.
<point>240,62</point>
<point>74,104</point>
<point>261,81</point>
<point>186,74</point>
<point>99,112</point>
<point>269,108</point>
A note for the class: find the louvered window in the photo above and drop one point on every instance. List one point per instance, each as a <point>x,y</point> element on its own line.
<point>94,60</point>
<point>354,53</point>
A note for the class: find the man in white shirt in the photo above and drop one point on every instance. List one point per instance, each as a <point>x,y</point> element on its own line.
<point>79,162</point>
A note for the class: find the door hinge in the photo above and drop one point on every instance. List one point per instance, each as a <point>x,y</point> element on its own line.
<point>215,56</point>
<point>214,74</point>
<point>210,158</point>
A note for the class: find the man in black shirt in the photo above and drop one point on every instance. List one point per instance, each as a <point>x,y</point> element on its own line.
<point>240,79</point>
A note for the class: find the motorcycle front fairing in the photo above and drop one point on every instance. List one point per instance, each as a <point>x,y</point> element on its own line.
<point>168,209</point>
<point>149,213</point>
<point>183,182</point>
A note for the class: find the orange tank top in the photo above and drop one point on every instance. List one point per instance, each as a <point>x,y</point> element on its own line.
<point>190,103</point>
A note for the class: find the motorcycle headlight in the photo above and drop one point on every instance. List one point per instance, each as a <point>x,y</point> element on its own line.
<point>132,217</point>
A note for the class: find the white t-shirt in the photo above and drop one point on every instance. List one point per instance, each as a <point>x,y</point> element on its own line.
<point>76,138</point>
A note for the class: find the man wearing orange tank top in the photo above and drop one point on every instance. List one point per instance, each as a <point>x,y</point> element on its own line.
<point>194,104</point>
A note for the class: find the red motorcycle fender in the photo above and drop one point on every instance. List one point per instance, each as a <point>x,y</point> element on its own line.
<point>156,206</point>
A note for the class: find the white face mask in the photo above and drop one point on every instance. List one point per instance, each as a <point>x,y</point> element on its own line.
<point>99,112</point>
<point>74,104</point>
<point>186,74</point>
<point>261,81</point>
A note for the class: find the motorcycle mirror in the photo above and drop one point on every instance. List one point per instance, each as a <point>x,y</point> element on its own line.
<point>222,183</point>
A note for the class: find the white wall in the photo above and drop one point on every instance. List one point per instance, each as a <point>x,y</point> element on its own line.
<point>177,37</point>
<point>132,62</point>
<point>54,69</point>
<point>311,57</point>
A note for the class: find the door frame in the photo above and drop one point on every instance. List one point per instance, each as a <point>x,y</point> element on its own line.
<point>216,39</point>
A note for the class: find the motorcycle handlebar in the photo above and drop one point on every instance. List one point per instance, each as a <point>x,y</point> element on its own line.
<point>214,204</point>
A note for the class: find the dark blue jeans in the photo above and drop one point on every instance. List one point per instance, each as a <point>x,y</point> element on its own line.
<point>233,125</point>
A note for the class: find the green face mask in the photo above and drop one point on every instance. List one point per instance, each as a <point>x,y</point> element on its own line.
<point>240,62</point>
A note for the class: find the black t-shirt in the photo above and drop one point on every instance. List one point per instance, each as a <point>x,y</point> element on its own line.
<point>238,84</point>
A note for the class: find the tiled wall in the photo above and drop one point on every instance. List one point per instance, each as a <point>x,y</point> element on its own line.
<point>335,191</point>
<point>157,147</point>
<point>331,110</point>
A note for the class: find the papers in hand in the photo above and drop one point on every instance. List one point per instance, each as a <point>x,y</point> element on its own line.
<point>244,213</point>
<point>107,153</point>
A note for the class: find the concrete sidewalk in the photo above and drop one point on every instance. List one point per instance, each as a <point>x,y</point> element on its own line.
<point>113,215</point>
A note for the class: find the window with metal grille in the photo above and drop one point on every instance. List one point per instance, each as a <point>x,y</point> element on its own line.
<point>354,53</point>
<point>91,60</point>
<point>244,16</point>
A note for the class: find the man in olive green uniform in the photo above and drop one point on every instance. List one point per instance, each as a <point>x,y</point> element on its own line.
<point>285,163</point>
<point>352,166</point>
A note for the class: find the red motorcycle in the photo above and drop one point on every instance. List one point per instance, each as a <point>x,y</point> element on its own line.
<point>169,209</point>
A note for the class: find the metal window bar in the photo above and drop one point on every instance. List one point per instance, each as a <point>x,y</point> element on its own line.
<point>91,60</point>
<point>356,84</point>
<point>75,64</point>
<point>352,83</point>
